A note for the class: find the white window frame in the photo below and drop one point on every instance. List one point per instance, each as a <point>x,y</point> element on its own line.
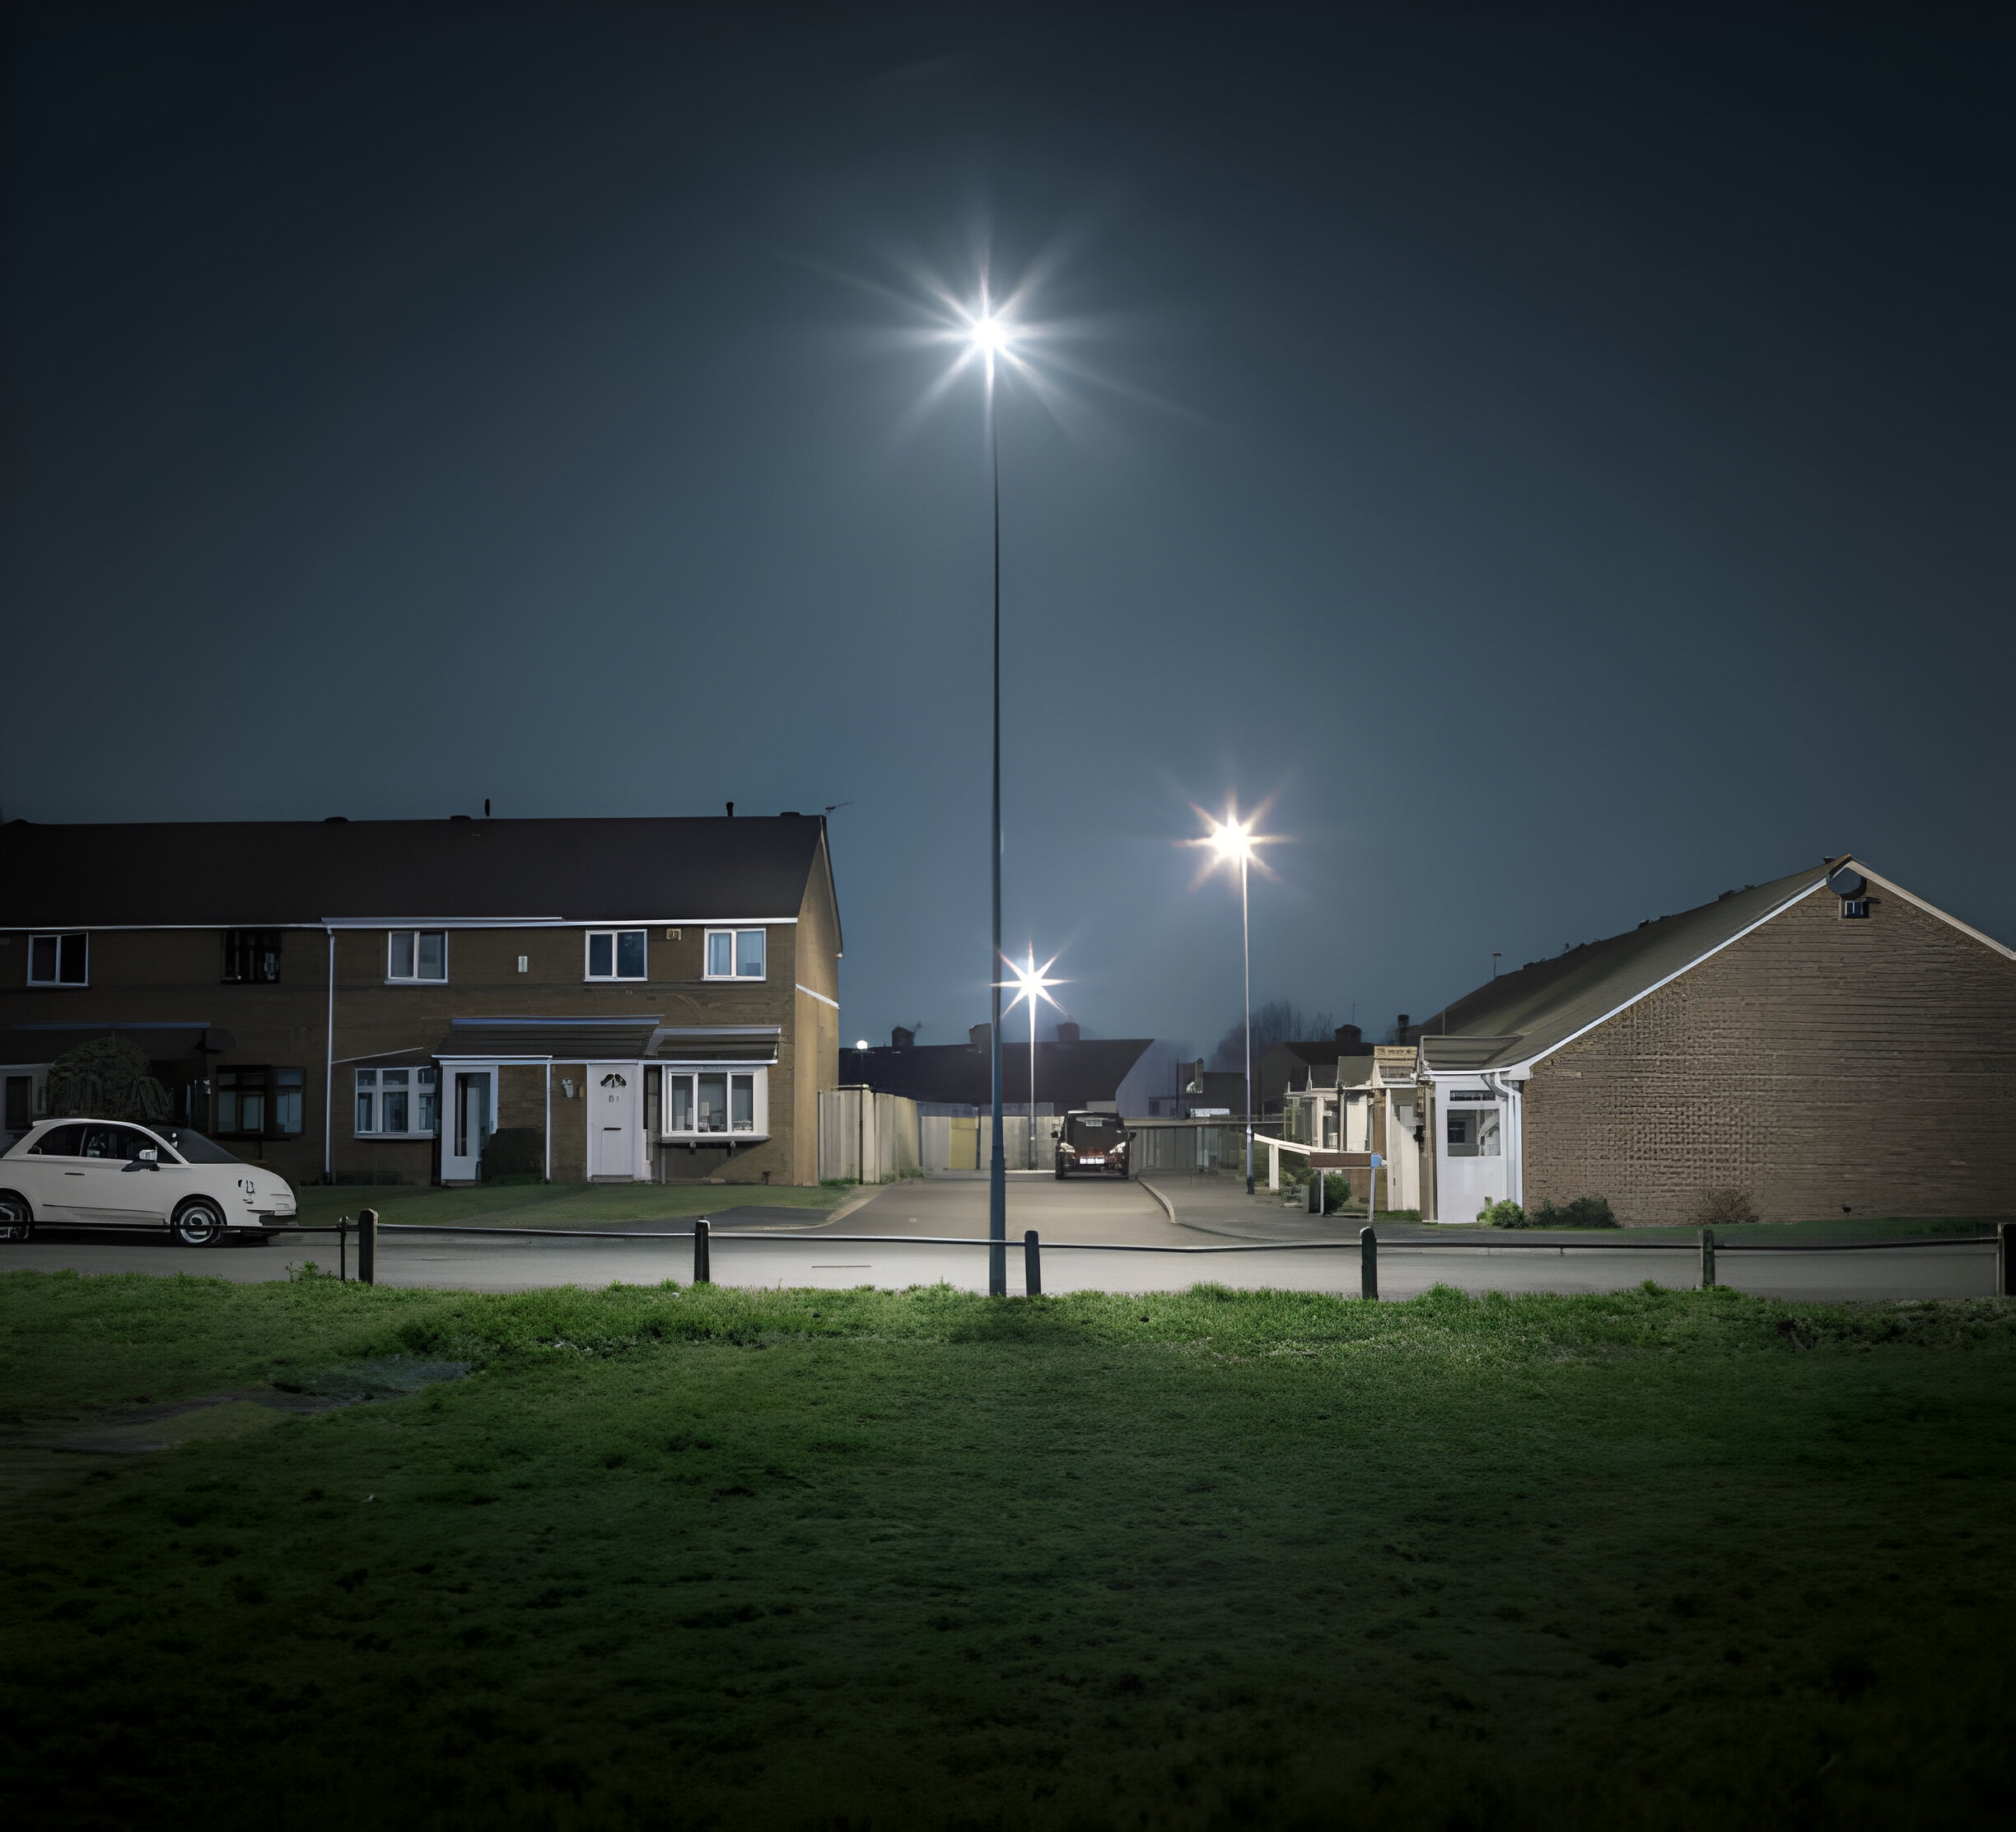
<point>760,1128</point>
<point>374,1091</point>
<point>613,976</point>
<point>416,978</point>
<point>59,938</point>
<point>734,939</point>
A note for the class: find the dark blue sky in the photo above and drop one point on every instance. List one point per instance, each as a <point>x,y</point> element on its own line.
<point>1563,458</point>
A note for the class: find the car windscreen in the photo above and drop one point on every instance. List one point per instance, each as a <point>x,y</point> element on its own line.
<point>1093,1129</point>
<point>195,1149</point>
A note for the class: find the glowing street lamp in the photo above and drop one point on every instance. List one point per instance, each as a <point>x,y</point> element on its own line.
<point>1030,985</point>
<point>1232,842</point>
<point>991,338</point>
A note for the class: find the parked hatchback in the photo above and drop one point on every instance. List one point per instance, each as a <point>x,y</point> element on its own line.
<point>103,1173</point>
<point>1091,1145</point>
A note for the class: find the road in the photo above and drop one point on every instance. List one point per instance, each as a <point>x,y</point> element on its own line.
<point>826,1252</point>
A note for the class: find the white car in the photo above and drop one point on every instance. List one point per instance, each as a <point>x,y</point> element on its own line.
<point>104,1173</point>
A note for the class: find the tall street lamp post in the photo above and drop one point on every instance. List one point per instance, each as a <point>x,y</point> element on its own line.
<point>1233,841</point>
<point>990,338</point>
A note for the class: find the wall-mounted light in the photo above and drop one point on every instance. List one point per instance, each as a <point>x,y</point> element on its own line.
<point>566,1087</point>
<point>524,961</point>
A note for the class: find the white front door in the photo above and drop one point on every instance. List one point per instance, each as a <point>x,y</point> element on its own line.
<point>468,1123</point>
<point>613,1090</point>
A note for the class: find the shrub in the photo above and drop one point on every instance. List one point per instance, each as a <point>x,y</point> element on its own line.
<point>1502,1214</point>
<point>514,1152</point>
<point>1584,1211</point>
<point>1721,1208</point>
<point>107,1079</point>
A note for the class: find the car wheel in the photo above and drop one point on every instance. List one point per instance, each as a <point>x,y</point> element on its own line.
<point>16,1219</point>
<point>198,1224</point>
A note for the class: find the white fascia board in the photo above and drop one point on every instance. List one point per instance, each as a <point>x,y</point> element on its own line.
<point>1523,1070</point>
<point>1930,909</point>
<point>410,922</point>
<point>498,1061</point>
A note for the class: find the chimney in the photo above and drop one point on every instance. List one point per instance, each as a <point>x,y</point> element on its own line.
<point>1349,1037</point>
<point>977,1036</point>
<point>901,1038</point>
<point>1067,1032</point>
<point>1400,1035</point>
<point>731,811</point>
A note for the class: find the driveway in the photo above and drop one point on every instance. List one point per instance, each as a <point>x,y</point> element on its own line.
<point>779,1249</point>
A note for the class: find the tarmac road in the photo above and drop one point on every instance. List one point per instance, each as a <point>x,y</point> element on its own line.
<point>826,1252</point>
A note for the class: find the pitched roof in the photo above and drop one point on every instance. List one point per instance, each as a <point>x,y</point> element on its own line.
<point>273,873</point>
<point>1068,1075</point>
<point>1519,1015</point>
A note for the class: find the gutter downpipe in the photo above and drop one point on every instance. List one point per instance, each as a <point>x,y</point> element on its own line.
<point>549,1161</point>
<point>329,1067</point>
<point>1514,1093</point>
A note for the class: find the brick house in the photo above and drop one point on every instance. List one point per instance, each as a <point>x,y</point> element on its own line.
<point>1827,1042</point>
<point>649,999</point>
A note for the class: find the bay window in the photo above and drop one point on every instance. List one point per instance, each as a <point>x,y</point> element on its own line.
<point>715,1103</point>
<point>398,1103</point>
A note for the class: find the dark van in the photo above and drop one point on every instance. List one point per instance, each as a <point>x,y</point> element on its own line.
<point>1092,1145</point>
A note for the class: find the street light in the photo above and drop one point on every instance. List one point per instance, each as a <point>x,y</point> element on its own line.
<point>1030,985</point>
<point>1232,841</point>
<point>991,338</point>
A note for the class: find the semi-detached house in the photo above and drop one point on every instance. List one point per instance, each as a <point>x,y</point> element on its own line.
<point>628,999</point>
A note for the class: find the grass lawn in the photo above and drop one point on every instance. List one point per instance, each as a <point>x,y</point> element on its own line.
<point>671,1558</point>
<point>551,1204</point>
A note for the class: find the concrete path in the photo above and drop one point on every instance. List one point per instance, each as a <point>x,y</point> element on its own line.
<point>822,1251</point>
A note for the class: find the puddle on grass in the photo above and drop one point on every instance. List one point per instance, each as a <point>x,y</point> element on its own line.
<point>36,1456</point>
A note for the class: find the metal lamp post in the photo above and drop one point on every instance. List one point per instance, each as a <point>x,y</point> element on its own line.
<point>1233,841</point>
<point>1031,985</point>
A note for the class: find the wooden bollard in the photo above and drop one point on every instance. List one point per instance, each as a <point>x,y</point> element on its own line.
<point>367,1247</point>
<point>1707,1251</point>
<point>1031,1264</point>
<point>703,1273</point>
<point>1368,1265</point>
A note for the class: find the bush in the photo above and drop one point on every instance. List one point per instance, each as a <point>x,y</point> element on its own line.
<point>514,1152</point>
<point>1721,1208</point>
<point>1502,1214</point>
<point>1584,1211</point>
<point>107,1079</point>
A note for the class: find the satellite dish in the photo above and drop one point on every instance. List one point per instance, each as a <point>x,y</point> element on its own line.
<point>1845,883</point>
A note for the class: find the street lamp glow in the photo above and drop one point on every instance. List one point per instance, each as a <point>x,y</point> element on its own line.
<point>990,335</point>
<point>1233,841</point>
<point>1030,983</point>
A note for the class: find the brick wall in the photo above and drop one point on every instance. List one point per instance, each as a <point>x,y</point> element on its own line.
<point>1817,1062</point>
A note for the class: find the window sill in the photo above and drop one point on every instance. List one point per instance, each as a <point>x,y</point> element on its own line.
<point>394,1139</point>
<point>733,980</point>
<point>712,1139</point>
<point>416,982</point>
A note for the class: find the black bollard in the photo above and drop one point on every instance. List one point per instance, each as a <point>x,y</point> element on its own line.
<point>1031,1264</point>
<point>1707,1252</point>
<point>2005,1260</point>
<point>1368,1265</point>
<point>702,1274</point>
<point>367,1247</point>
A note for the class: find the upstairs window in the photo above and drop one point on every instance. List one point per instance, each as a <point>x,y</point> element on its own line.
<point>417,956</point>
<point>616,954</point>
<point>735,954</point>
<point>58,961</point>
<point>252,956</point>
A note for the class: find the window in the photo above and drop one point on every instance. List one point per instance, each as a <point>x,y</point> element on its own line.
<point>716,1102</point>
<point>58,961</point>
<point>1474,1134</point>
<point>616,954</point>
<point>417,954</point>
<point>735,954</point>
<point>398,1102</point>
<point>259,1103</point>
<point>252,956</point>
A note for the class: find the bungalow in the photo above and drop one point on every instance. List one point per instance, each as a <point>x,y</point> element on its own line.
<point>1828,1042</point>
<point>422,1000</point>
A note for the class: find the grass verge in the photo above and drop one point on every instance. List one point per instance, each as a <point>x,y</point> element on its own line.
<point>552,1204</point>
<point>683,1559</point>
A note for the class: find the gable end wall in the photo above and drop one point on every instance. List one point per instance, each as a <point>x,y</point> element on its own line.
<point>1817,1062</point>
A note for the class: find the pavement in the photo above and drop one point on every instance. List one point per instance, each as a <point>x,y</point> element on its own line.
<point>1075,1220</point>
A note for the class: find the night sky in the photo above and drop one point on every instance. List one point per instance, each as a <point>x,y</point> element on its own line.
<point>1562,461</point>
